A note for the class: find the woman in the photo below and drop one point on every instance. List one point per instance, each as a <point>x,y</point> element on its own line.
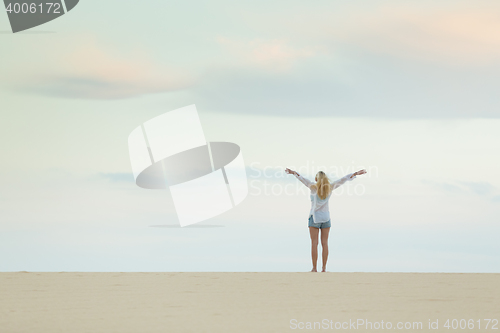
<point>319,216</point>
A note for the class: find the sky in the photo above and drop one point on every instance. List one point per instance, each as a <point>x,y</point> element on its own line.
<point>406,90</point>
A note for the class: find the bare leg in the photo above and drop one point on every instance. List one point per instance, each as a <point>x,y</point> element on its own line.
<point>314,232</point>
<point>324,243</point>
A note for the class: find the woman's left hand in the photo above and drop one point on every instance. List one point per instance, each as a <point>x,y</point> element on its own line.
<point>360,172</point>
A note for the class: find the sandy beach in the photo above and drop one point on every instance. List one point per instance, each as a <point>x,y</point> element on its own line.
<point>246,302</point>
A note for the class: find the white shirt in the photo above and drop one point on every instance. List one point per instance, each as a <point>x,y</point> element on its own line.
<point>319,207</point>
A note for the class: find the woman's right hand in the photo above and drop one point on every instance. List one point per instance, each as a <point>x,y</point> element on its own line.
<point>290,172</point>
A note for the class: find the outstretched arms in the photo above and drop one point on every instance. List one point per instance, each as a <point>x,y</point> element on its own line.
<point>303,180</point>
<point>334,184</point>
<point>349,177</point>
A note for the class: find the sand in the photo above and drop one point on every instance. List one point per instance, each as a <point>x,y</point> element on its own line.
<point>245,302</point>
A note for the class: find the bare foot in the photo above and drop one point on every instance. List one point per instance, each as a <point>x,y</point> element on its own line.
<point>323,270</point>
<point>313,270</point>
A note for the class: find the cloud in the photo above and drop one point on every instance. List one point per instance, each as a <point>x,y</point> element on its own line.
<point>406,60</point>
<point>275,55</point>
<point>460,187</point>
<point>480,188</point>
<point>385,60</point>
<point>449,32</point>
<point>118,176</point>
<point>92,70</point>
<point>444,186</point>
<point>366,86</point>
<point>450,35</point>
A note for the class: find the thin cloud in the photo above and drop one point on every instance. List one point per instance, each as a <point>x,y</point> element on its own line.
<point>92,70</point>
<point>449,33</point>
<point>275,55</point>
<point>479,188</point>
<point>118,176</point>
<point>448,187</point>
<point>450,36</point>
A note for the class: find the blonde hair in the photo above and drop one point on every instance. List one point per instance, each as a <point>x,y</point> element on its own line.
<point>322,185</point>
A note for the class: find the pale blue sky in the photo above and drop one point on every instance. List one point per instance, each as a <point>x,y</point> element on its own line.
<point>408,90</point>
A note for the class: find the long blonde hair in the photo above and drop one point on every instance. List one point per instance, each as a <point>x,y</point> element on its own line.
<point>322,185</point>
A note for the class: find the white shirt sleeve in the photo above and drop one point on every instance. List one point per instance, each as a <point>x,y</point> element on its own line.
<point>304,181</point>
<point>342,180</point>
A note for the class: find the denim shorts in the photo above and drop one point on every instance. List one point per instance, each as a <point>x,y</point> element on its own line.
<point>322,225</point>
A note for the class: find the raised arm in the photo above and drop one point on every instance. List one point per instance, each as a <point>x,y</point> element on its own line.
<point>348,177</point>
<point>303,180</point>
